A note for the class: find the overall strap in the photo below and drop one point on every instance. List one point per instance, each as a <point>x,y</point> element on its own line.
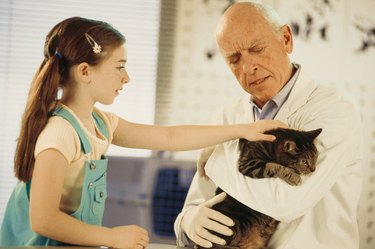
<point>85,144</point>
<point>100,124</point>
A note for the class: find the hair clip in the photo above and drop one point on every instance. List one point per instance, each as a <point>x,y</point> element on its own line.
<point>95,46</point>
<point>58,55</point>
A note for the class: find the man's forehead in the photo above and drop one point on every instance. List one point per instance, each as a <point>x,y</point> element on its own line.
<point>233,47</point>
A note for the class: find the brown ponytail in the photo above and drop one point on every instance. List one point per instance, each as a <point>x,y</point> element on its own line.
<point>65,46</point>
<point>42,99</point>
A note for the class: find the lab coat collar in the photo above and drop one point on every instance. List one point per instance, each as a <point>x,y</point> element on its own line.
<point>298,96</point>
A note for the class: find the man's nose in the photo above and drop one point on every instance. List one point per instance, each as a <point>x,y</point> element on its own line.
<point>249,66</point>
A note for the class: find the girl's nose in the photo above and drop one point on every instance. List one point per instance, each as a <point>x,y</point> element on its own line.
<point>125,77</point>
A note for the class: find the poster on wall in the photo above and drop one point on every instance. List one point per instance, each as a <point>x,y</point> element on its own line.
<point>359,53</point>
<point>318,27</point>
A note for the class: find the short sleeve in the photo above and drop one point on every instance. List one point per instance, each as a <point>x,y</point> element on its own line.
<point>61,136</point>
<point>112,119</point>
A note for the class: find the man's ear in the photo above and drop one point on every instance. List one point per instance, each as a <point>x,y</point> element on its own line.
<point>82,72</point>
<point>287,36</point>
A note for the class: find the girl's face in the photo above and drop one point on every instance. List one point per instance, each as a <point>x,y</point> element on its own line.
<point>108,78</point>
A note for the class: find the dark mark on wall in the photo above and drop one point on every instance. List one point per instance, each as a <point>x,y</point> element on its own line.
<point>368,37</point>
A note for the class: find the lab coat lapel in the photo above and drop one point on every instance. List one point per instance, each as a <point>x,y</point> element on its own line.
<point>298,96</point>
<point>245,112</point>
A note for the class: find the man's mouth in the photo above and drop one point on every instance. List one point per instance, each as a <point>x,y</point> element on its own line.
<point>258,81</point>
<point>118,91</point>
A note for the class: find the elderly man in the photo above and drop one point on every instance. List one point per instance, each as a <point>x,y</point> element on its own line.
<point>319,213</point>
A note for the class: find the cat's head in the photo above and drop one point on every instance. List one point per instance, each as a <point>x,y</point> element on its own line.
<point>295,149</point>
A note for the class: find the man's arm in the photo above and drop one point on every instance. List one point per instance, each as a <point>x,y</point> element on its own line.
<point>340,148</point>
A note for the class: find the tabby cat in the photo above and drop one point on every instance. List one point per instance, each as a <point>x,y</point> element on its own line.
<point>291,155</point>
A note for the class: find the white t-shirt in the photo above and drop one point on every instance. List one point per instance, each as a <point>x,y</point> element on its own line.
<point>60,135</point>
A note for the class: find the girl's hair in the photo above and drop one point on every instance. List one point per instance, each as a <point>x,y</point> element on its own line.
<point>69,43</point>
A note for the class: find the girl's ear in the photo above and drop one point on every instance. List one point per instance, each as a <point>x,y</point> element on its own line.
<point>82,72</point>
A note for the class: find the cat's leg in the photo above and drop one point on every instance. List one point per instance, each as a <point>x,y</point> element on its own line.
<point>285,173</point>
<point>260,169</point>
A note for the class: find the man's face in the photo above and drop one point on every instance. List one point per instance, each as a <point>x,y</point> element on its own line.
<point>256,53</point>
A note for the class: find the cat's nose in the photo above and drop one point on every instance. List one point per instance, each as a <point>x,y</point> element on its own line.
<point>311,166</point>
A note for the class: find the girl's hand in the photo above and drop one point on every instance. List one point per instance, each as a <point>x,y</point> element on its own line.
<point>254,131</point>
<point>129,237</point>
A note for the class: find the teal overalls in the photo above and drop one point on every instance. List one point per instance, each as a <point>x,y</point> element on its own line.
<point>16,229</point>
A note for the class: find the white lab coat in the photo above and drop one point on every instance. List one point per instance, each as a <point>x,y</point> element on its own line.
<point>322,211</point>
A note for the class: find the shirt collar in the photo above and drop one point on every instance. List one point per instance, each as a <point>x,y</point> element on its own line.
<point>282,95</point>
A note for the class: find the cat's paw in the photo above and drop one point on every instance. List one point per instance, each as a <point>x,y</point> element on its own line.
<point>294,179</point>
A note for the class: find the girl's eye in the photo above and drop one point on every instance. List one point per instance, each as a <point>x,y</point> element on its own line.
<point>121,70</point>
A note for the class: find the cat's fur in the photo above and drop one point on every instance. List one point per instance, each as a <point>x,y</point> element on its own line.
<point>291,155</point>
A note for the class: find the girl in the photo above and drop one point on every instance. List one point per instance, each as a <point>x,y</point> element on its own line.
<point>60,159</point>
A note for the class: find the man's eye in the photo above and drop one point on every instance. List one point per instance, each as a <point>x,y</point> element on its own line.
<point>257,49</point>
<point>120,67</point>
<point>234,60</point>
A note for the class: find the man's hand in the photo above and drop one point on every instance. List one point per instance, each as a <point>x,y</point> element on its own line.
<point>198,220</point>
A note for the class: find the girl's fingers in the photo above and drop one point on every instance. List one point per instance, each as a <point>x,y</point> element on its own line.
<point>270,138</point>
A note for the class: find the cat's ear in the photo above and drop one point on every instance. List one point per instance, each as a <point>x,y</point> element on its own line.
<point>314,133</point>
<point>289,146</point>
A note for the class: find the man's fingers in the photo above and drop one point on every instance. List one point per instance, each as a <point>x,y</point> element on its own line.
<point>219,217</point>
<point>217,199</point>
<point>202,242</point>
<point>206,235</point>
<point>217,227</point>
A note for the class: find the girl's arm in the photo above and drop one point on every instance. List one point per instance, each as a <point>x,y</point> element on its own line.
<point>188,137</point>
<point>47,219</point>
